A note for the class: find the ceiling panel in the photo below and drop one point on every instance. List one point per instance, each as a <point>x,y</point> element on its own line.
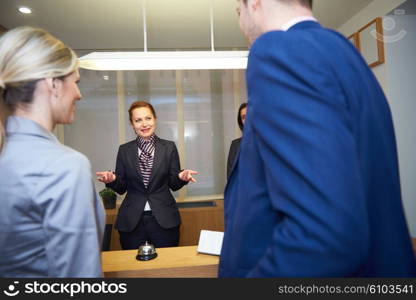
<point>172,24</point>
<point>82,24</point>
<point>227,32</point>
<point>181,24</point>
<point>334,13</point>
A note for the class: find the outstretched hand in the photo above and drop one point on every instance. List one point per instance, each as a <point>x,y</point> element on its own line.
<point>186,175</point>
<point>106,176</point>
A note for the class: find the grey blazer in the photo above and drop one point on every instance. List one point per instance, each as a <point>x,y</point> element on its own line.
<point>164,177</point>
<point>51,220</point>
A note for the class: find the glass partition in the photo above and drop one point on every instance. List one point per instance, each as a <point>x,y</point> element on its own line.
<point>195,109</point>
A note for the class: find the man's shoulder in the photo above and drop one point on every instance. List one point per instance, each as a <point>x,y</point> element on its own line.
<point>306,46</point>
<point>271,37</point>
<point>299,37</point>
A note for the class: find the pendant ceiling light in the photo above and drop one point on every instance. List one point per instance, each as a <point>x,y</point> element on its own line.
<point>166,60</point>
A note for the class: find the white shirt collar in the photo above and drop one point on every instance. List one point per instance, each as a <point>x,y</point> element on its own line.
<point>297,20</point>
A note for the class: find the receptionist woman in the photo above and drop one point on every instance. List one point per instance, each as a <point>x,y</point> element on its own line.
<point>147,168</point>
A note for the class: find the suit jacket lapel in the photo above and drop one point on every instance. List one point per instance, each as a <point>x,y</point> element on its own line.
<point>157,160</point>
<point>133,157</point>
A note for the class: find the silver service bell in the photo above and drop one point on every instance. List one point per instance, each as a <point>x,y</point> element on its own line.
<point>146,252</point>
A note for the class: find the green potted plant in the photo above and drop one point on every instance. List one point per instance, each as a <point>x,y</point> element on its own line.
<point>109,198</point>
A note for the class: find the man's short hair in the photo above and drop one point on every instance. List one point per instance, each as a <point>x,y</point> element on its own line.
<point>306,3</point>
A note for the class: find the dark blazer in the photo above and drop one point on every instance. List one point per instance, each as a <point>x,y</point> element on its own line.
<point>232,154</point>
<point>315,191</point>
<point>166,168</point>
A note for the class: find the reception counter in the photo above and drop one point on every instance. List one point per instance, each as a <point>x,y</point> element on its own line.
<point>194,219</point>
<point>182,262</point>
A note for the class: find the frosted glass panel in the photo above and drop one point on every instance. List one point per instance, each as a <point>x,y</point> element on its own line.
<point>229,107</point>
<point>209,127</point>
<point>211,99</point>
<point>158,88</point>
<point>95,130</point>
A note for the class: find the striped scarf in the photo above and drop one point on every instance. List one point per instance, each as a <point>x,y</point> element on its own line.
<point>146,147</point>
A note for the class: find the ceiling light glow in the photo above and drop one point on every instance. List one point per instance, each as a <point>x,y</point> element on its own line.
<point>25,10</point>
<point>177,60</point>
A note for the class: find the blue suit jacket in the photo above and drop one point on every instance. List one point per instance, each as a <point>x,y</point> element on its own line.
<point>315,190</point>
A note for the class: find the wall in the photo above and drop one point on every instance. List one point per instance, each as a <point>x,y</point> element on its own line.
<point>396,76</point>
<point>377,8</point>
<point>401,74</point>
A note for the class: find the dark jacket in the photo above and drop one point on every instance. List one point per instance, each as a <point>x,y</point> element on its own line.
<point>164,177</point>
<point>232,154</point>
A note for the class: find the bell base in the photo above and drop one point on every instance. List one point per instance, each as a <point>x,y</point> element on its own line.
<point>146,257</point>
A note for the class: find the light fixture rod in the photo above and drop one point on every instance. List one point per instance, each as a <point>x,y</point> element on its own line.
<point>211,21</point>
<point>144,26</point>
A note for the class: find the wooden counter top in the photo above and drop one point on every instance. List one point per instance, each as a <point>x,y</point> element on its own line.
<point>193,219</point>
<point>172,262</point>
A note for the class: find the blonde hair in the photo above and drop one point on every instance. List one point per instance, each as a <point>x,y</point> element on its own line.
<point>27,55</point>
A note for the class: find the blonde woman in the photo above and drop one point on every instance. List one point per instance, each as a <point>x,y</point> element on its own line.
<point>51,219</point>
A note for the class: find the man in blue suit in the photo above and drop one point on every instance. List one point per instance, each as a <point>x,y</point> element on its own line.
<point>315,190</point>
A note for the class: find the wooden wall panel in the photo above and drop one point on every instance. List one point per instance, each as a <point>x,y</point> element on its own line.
<point>196,219</point>
<point>193,221</point>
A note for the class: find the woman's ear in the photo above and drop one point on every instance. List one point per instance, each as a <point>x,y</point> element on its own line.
<point>50,83</point>
<point>53,86</point>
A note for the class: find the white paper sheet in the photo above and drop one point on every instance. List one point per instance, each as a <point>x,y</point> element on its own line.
<point>210,242</point>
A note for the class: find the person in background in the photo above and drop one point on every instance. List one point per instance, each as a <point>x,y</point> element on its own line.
<point>235,144</point>
<point>315,191</point>
<point>147,168</point>
<point>51,218</point>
